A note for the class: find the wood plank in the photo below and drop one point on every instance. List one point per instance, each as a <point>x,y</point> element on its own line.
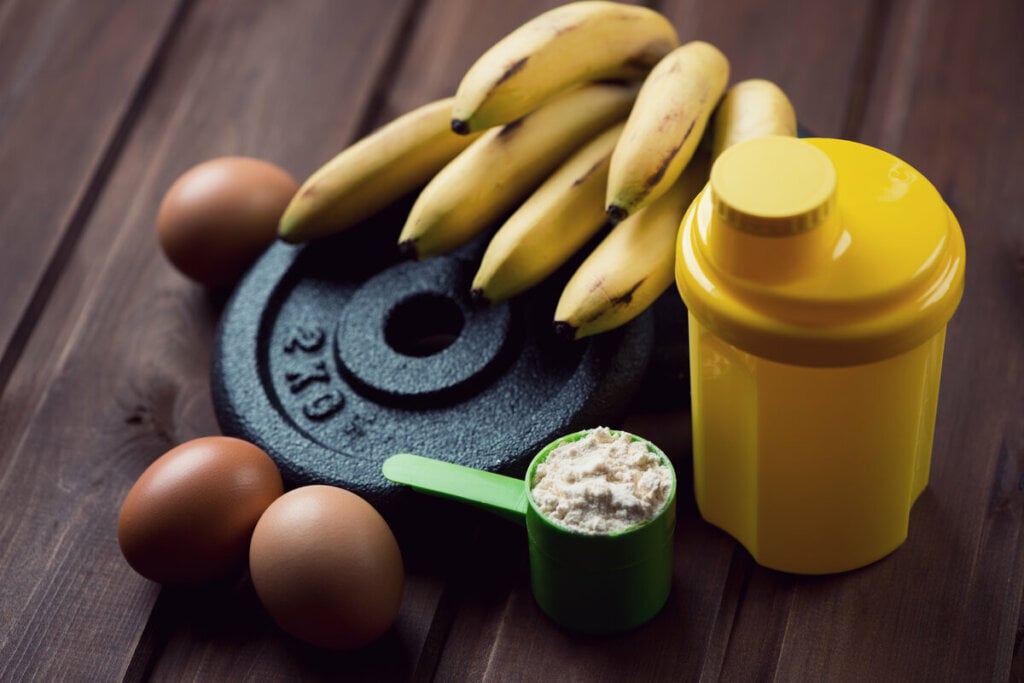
<point>116,369</point>
<point>761,39</point>
<point>70,75</point>
<point>692,637</point>
<point>226,635</point>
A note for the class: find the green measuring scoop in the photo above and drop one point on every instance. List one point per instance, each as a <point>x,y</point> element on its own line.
<point>589,583</point>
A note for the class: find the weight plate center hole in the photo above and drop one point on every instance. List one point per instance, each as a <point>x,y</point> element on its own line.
<point>423,325</point>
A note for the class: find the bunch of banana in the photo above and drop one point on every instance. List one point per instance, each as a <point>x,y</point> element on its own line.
<point>657,141</point>
<point>520,89</point>
<point>537,129</point>
<point>504,164</point>
<point>550,226</point>
<point>634,264</point>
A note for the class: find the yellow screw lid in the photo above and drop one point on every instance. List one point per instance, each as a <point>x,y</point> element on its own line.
<point>819,252</point>
<point>752,193</point>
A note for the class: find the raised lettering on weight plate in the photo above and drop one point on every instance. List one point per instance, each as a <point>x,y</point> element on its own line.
<point>307,372</point>
<point>308,339</point>
<point>323,406</point>
<point>302,378</point>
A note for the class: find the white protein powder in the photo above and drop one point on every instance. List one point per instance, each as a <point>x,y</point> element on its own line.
<point>601,483</point>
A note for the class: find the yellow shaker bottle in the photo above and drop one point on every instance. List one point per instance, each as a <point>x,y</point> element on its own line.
<point>819,276</point>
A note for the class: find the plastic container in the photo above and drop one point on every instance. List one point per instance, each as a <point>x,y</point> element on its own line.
<point>819,276</point>
<point>588,583</point>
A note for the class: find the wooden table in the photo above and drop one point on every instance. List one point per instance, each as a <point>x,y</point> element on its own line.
<point>105,350</point>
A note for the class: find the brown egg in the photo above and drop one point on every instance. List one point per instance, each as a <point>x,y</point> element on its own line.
<point>189,517</point>
<point>327,567</point>
<point>219,216</point>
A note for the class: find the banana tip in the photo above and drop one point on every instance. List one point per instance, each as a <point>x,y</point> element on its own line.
<point>460,126</point>
<point>407,250</point>
<point>478,299</point>
<point>564,331</point>
<point>286,234</point>
<point>616,214</point>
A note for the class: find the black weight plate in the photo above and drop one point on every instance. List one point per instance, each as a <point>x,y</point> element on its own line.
<point>334,355</point>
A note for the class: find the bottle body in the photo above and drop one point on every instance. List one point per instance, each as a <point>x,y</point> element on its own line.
<point>819,276</point>
<point>813,469</point>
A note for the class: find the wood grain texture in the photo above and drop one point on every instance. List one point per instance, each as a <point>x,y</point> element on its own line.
<point>953,114</point>
<point>70,77</point>
<point>814,50</point>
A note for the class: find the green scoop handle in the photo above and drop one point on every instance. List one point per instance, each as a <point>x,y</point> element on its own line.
<point>505,496</point>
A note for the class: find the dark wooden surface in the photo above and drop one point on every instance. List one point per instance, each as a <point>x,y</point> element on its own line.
<point>104,350</point>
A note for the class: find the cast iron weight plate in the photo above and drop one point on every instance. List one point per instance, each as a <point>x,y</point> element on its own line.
<point>334,355</point>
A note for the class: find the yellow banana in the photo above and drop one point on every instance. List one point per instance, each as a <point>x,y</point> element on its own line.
<point>632,266</point>
<point>375,171</point>
<point>665,126</point>
<point>505,164</point>
<point>750,109</point>
<point>550,226</point>
<point>569,45</point>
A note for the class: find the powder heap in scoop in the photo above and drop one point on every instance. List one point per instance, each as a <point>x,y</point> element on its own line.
<point>601,483</point>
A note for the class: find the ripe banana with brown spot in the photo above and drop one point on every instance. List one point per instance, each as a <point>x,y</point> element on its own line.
<point>750,109</point>
<point>572,44</point>
<point>665,126</point>
<point>550,226</point>
<point>505,164</point>
<point>372,173</point>
<point>634,264</point>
